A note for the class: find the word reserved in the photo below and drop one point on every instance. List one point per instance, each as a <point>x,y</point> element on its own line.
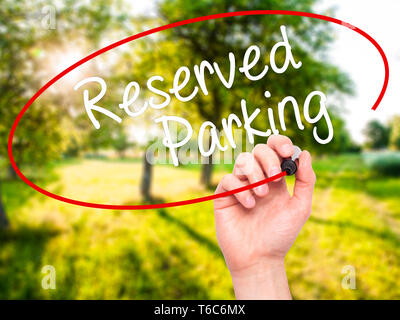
<point>250,59</point>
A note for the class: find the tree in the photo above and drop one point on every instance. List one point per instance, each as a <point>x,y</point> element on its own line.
<point>377,135</point>
<point>15,39</point>
<point>120,141</point>
<point>4,223</point>
<point>21,36</point>
<point>213,40</point>
<point>395,132</point>
<point>147,174</point>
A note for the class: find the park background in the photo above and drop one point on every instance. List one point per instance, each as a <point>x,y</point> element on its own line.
<point>172,253</point>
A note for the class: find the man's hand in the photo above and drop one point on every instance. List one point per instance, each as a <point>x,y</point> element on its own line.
<point>256,228</point>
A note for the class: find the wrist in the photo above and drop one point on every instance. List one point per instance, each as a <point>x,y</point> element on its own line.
<point>258,268</point>
<point>265,279</point>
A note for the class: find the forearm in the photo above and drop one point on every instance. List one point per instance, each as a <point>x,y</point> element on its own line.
<point>267,280</point>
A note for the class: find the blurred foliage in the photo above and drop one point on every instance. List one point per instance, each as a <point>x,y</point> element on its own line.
<point>25,30</point>
<point>394,141</point>
<point>16,80</point>
<point>376,134</point>
<point>21,36</point>
<point>119,141</point>
<point>213,40</point>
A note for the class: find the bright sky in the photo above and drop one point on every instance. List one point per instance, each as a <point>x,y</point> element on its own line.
<point>358,57</point>
<point>362,62</point>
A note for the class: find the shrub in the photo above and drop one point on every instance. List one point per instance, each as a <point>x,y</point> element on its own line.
<point>386,162</point>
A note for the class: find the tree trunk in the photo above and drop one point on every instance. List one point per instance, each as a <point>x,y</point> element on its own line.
<point>206,173</point>
<point>146,177</point>
<point>11,172</point>
<point>4,223</point>
<point>207,168</point>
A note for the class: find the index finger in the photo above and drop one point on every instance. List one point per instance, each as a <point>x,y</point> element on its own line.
<point>282,145</point>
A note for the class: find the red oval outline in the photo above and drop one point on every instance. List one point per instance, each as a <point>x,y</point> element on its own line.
<point>158,29</point>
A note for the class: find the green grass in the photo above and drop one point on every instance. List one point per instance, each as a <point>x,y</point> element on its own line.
<point>173,253</point>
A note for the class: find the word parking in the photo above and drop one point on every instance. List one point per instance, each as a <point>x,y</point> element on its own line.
<point>250,59</point>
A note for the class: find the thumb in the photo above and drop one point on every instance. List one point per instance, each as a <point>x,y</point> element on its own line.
<point>304,184</point>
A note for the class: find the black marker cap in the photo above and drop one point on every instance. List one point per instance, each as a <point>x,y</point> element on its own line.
<point>289,166</point>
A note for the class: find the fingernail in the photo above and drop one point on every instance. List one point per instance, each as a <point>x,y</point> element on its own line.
<point>274,170</point>
<point>250,201</point>
<point>287,149</point>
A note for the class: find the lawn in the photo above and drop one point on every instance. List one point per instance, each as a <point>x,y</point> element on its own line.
<point>173,253</point>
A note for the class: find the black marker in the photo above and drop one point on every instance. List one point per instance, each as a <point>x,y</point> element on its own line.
<point>289,164</point>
